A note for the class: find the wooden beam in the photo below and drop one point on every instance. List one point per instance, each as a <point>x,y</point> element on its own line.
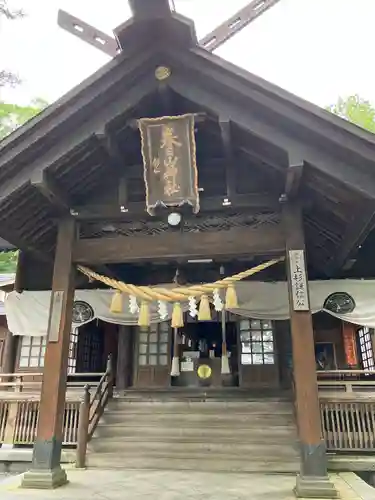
<point>361,224</point>
<point>138,209</point>
<point>180,246</point>
<point>47,186</point>
<point>230,164</point>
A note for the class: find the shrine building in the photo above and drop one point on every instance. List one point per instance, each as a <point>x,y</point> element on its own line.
<point>209,233</point>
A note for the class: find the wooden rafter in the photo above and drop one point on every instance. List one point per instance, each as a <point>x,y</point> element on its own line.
<point>81,134</point>
<point>357,230</point>
<point>358,180</point>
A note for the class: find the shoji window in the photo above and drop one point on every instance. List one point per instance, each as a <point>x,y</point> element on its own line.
<point>257,344</point>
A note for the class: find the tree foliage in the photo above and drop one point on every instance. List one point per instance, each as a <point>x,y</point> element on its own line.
<point>10,12</point>
<point>8,261</point>
<point>7,77</point>
<point>356,110</point>
<point>13,116</point>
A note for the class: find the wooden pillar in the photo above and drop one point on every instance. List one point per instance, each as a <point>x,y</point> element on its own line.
<point>46,471</point>
<point>313,481</point>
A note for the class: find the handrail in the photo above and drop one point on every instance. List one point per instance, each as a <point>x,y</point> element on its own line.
<point>40,374</point>
<point>91,410</point>
<point>335,373</point>
<point>20,382</point>
<point>347,381</point>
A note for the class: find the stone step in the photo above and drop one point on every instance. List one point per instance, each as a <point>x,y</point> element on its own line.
<point>201,407</point>
<point>182,449</point>
<point>193,396</point>
<point>199,463</point>
<point>201,419</point>
<point>235,433</point>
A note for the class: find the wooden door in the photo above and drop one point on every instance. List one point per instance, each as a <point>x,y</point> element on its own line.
<point>257,354</point>
<point>90,349</point>
<point>152,346</point>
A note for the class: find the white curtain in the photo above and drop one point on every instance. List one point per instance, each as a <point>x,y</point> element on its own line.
<point>27,313</point>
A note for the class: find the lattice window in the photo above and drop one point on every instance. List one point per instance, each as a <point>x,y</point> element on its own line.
<point>366,348</point>
<point>153,345</point>
<point>32,352</point>
<point>72,359</point>
<point>257,344</point>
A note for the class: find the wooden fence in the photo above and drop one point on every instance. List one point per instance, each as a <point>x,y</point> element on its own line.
<point>19,414</point>
<point>19,420</point>
<point>347,406</point>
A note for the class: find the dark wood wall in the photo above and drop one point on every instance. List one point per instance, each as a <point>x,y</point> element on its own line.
<point>3,332</point>
<point>327,329</point>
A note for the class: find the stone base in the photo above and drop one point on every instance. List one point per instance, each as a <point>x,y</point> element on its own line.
<point>44,479</point>
<point>315,487</point>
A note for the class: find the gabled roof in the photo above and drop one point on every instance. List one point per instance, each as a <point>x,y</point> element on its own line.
<point>68,143</point>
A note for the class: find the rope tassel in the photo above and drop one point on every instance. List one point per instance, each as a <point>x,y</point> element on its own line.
<point>116,303</point>
<point>231,301</point>
<point>177,316</point>
<point>204,309</point>
<point>144,314</point>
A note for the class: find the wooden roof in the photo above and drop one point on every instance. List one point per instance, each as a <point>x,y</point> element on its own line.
<point>75,152</point>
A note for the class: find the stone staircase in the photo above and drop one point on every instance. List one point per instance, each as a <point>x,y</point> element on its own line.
<point>222,430</point>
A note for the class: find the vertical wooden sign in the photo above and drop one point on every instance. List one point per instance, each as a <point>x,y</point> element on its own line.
<point>169,160</point>
<point>56,308</point>
<point>297,268</point>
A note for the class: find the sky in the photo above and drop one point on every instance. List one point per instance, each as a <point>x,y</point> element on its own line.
<point>316,49</point>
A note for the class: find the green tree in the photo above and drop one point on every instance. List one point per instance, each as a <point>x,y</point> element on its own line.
<point>7,77</point>
<point>356,110</point>
<point>12,115</point>
<point>8,261</point>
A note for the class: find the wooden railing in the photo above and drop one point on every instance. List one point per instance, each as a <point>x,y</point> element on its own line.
<point>90,411</point>
<point>19,421</point>
<point>341,381</point>
<point>19,410</point>
<point>347,407</point>
<point>25,382</point>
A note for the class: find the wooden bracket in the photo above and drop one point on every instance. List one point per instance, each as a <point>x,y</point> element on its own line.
<point>115,160</point>
<point>230,165</point>
<point>48,187</point>
<point>293,177</point>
